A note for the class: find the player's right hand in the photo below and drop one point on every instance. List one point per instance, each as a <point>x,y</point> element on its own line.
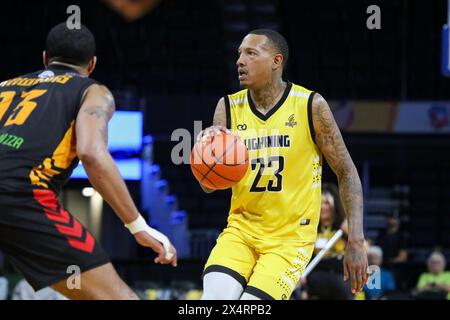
<point>146,240</point>
<point>210,132</point>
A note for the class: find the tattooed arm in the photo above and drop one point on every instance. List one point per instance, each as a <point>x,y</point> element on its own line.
<point>92,149</point>
<point>329,140</point>
<point>95,112</point>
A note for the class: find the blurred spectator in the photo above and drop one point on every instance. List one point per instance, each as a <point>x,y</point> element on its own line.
<point>23,291</point>
<point>331,220</point>
<point>387,280</point>
<point>3,286</point>
<point>393,241</point>
<point>434,284</point>
<point>326,281</point>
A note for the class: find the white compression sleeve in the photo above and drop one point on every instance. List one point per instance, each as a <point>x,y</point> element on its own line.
<point>221,286</point>
<point>248,296</point>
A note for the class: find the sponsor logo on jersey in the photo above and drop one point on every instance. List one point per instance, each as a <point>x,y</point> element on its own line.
<point>11,140</point>
<point>291,121</point>
<point>46,74</point>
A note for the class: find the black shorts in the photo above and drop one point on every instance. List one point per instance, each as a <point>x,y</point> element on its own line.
<point>42,239</point>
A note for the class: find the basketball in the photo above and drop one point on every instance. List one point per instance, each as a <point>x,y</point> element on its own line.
<point>220,162</point>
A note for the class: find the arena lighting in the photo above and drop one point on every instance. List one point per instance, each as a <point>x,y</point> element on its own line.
<point>130,169</point>
<point>445,56</point>
<point>124,135</point>
<point>88,192</point>
<point>125,131</point>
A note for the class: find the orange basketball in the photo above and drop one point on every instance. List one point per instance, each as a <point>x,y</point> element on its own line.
<point>221,162</point>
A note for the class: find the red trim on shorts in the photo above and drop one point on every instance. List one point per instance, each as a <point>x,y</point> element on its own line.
<point>64,222</point>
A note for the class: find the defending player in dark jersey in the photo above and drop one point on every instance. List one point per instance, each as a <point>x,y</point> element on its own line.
<point>50,119</point>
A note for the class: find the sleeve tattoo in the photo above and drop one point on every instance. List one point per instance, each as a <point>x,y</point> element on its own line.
<point>102,112</point>
<point>330,142</point>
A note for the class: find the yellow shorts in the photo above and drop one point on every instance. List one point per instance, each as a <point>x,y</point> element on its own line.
<point>267,269</point>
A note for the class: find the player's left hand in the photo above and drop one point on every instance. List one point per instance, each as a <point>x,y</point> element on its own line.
<point>145,240</point>
<point>355,264</point>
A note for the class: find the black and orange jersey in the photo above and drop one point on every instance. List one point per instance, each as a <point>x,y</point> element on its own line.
<point>37,128</point>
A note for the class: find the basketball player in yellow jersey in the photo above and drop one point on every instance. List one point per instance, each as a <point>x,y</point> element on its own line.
<point>274,213</point>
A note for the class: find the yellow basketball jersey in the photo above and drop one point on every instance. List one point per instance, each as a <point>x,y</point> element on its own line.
<point>280,195</point>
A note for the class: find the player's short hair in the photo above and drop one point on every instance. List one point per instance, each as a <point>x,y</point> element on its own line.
<point>76,46</point>
<point>276,40</point>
